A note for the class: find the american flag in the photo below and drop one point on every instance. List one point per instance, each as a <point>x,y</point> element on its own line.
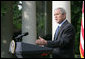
<point>82,34</point>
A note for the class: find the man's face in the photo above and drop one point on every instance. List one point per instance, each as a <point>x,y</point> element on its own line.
<point>58,16</point>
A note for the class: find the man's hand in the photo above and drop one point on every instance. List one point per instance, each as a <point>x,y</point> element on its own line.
<point>41,41</point>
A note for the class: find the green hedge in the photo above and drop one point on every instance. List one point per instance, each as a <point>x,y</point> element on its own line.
<point>76,15</point>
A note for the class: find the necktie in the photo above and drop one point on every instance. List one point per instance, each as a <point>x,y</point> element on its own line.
<point>56,33</point>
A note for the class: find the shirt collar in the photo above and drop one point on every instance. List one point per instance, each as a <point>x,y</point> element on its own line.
<point>61,23</point>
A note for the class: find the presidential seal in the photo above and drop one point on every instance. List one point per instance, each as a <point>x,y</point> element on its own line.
<point>12,46</point>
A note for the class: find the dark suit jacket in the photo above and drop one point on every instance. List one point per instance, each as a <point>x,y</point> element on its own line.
<point>63,46</point>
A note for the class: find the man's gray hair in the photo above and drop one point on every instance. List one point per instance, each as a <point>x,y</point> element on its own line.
<point>61,9</point>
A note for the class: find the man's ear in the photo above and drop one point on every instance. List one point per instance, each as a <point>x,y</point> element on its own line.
<point>64,15</point>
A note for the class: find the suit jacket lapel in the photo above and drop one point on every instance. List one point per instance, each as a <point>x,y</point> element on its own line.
<point>61,28</point>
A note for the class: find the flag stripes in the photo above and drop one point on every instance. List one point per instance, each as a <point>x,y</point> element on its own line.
<point>82,34</point>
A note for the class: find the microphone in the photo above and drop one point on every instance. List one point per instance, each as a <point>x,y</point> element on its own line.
<point>21,35</point>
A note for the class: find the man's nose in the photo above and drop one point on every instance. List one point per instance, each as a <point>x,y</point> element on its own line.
<point>55,16</point>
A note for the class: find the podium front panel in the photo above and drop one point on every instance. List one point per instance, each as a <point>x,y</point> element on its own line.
<point>27,50</point>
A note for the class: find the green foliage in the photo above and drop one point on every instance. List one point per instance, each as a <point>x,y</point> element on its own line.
<point>17,14</point>
<point>76,14</point>
<point>17,18</point>
<point>40,15</point>
<point>4,8</point>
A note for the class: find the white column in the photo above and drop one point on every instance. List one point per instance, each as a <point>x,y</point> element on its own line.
<point>66,6</point>
<point>29,21</point>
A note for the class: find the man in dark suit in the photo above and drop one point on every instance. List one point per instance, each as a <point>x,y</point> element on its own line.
<point>64,38</point>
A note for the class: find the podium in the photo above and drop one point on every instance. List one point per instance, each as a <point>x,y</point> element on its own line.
<point>26,50</point>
